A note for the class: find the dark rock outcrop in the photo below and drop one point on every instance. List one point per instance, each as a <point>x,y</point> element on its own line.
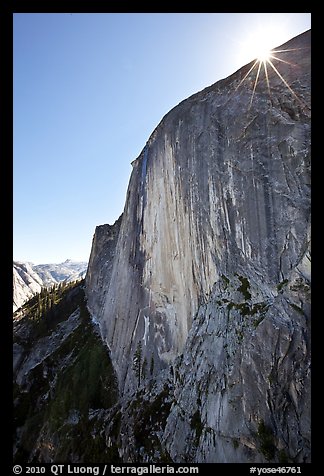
<point>64,386</point>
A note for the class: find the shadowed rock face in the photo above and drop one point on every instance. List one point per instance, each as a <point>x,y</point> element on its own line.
<point>100,265</point>
<point>212,266</point>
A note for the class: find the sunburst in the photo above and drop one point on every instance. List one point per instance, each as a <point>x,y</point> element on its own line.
<point>264,60</point>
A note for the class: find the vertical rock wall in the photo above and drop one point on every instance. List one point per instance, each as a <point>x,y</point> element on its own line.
<point>211,272</point>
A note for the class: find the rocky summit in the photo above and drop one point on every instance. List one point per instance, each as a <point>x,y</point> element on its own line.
<point>201,289</point>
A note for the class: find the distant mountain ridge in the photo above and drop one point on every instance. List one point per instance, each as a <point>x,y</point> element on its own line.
<point>29,279</point>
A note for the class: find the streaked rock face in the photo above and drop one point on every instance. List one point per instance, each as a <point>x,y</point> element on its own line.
<point>212,266</point>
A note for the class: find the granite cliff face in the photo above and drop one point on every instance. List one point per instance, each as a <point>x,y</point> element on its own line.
<point>208,297</point>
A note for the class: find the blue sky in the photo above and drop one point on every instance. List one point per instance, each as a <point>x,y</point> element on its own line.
<point>88,91</point>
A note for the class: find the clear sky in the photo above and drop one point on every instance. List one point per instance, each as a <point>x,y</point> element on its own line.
<point>88,91</point>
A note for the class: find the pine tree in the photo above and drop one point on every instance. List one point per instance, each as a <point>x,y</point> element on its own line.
<point>54,294</point>
<point>152,365</point>
<point>39,308</point>
<point>144,368</point>
<point>137,361</point>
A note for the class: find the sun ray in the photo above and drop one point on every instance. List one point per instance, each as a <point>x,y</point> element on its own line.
<point>267,77</point>
<point>290,49</point>
<point>255,83</point>
<point>283,61</point>
<point>252,67</point>
<point>286,84</point>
